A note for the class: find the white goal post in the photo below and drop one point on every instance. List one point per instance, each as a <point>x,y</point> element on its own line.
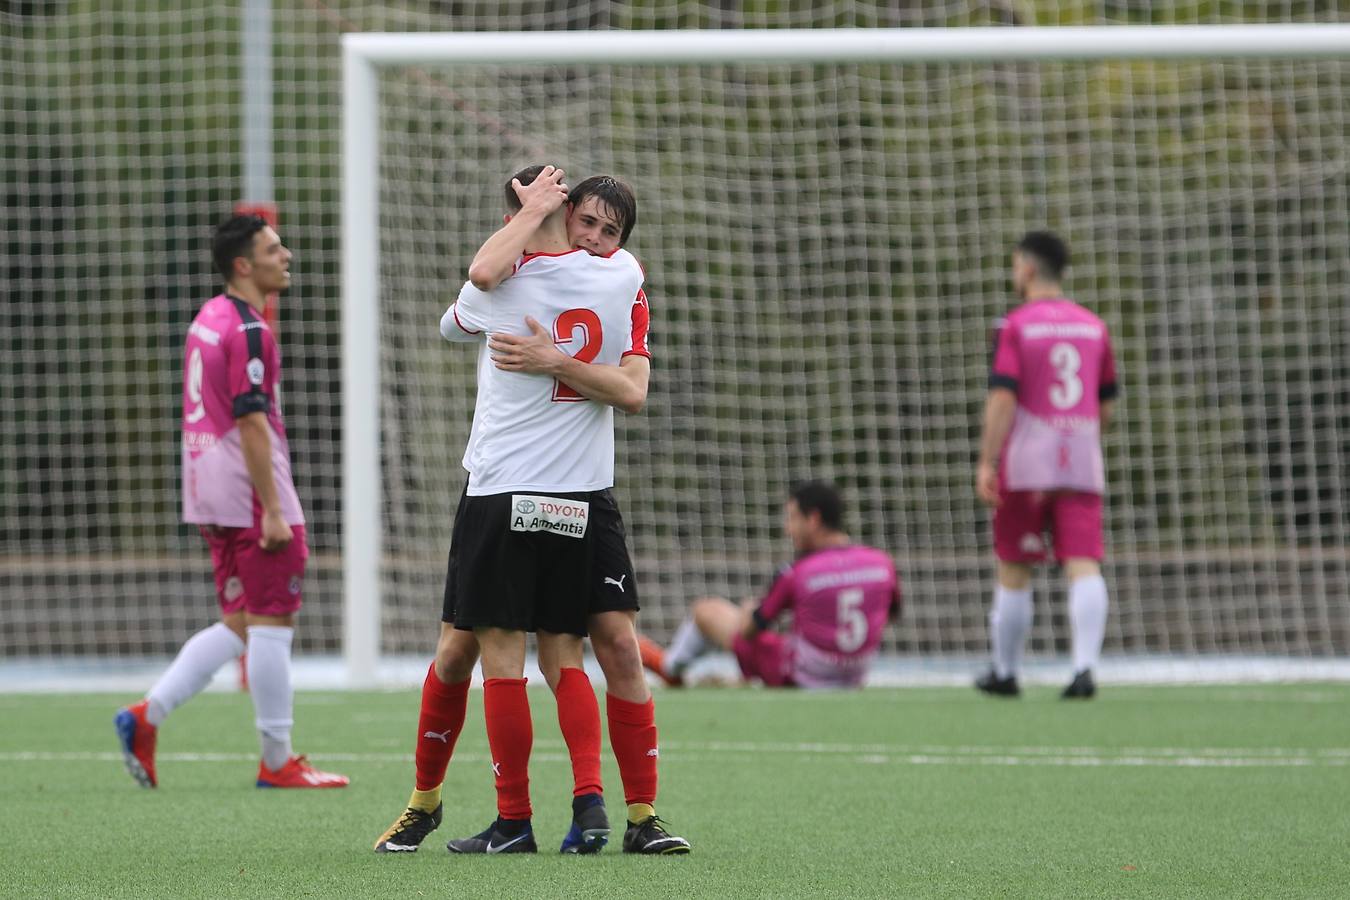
<point>366,55</point>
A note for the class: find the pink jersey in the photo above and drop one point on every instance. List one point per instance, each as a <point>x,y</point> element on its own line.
<point>840,599</point>
<point>232,368</point>
<point>1056,356</point>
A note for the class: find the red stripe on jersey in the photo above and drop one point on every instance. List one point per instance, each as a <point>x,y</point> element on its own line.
<point>637,343</point>
<point>529,256</point>
<point>461,324</point>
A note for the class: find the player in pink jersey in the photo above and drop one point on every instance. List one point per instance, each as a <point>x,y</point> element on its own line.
<point>841,595</point>
<point>237,488</point>
<point>1051,390</point>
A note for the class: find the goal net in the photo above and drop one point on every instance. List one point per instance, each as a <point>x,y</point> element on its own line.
<point>827,247</point>
<point>826,242</point>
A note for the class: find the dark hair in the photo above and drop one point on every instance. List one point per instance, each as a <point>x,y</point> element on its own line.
<point>1047,250</point>
<point>524,176</point>
<point>232,239</point>
<point>615,195</point>
<point>821,497</point>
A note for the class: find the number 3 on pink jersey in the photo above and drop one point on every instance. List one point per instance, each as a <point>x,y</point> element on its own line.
<point>564,329</point>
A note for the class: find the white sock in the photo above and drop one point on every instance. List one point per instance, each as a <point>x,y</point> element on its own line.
<point>1009,622</point>
<point>269,681</point>
<point>687,646</point>
<point>1087,617</point>
<point>191,670</point>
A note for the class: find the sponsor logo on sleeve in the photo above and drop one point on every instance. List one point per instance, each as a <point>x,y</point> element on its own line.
<point>255,371</point>
<point>234,588</point>
<point>555,515</point>
<point>294,586</point>
<point>204,334</point>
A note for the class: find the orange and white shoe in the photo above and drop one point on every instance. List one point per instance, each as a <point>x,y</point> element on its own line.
<point>654,659</point>
<point>137,737</point>
<point>298,773</point>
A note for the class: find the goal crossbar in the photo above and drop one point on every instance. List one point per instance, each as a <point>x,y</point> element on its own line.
<point>854,45</point>
<point>365,54</point>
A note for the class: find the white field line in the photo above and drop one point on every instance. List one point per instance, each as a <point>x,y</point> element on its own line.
<point>876,754</point>
<point>975,750</point>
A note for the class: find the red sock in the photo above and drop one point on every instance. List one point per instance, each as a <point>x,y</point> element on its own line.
<point>438,727</point>
<point>579,719</point>
<point>510,737</point>
<point>632,734</point>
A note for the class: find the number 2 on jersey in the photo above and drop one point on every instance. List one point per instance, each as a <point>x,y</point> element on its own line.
<point>1066,393</point>
<point>564,332</point>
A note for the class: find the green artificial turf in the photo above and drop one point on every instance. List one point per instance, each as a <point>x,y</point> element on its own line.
<point>1224,791</point>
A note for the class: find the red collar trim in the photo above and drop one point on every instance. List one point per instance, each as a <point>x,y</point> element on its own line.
<point>529,256</point>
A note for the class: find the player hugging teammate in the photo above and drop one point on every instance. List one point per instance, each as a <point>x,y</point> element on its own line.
<point>538,541</point>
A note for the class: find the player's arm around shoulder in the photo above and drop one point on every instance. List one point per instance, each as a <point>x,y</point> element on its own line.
<point>496,260</point>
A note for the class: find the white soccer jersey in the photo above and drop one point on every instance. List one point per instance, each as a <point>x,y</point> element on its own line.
<point>532,432</point>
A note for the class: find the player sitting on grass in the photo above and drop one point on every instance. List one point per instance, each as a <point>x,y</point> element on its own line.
<point>840,594</point>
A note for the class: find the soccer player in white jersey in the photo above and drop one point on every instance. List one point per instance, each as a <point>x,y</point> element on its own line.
<point>237,489</point>
<point>574,292</point>
<point>601,213</point>
<point>1052,386</point>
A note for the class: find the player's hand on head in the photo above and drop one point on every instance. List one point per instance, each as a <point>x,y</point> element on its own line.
<point>276,533</point>
<point>546,193</point>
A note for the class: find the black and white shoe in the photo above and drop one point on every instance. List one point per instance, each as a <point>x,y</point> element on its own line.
<point>502,836</point>
<point>1081,688</point>
<point>990,683</point>
<point>650,836</point>
<point>407,834</point>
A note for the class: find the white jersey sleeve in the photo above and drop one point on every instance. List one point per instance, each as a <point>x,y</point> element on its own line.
<point>467,317</point>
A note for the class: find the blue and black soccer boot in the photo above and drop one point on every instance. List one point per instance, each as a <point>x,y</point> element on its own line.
<point>407,834</point>
<point>590,825</point>
<point>990,683</point>
<point>502,836</point>
<point>650,836</point>
<point>1081,688</point>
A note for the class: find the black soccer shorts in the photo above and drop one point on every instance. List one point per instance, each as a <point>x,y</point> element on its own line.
<point>524,560</point>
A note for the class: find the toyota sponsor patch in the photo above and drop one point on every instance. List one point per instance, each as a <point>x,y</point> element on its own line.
<point>552,514</point>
